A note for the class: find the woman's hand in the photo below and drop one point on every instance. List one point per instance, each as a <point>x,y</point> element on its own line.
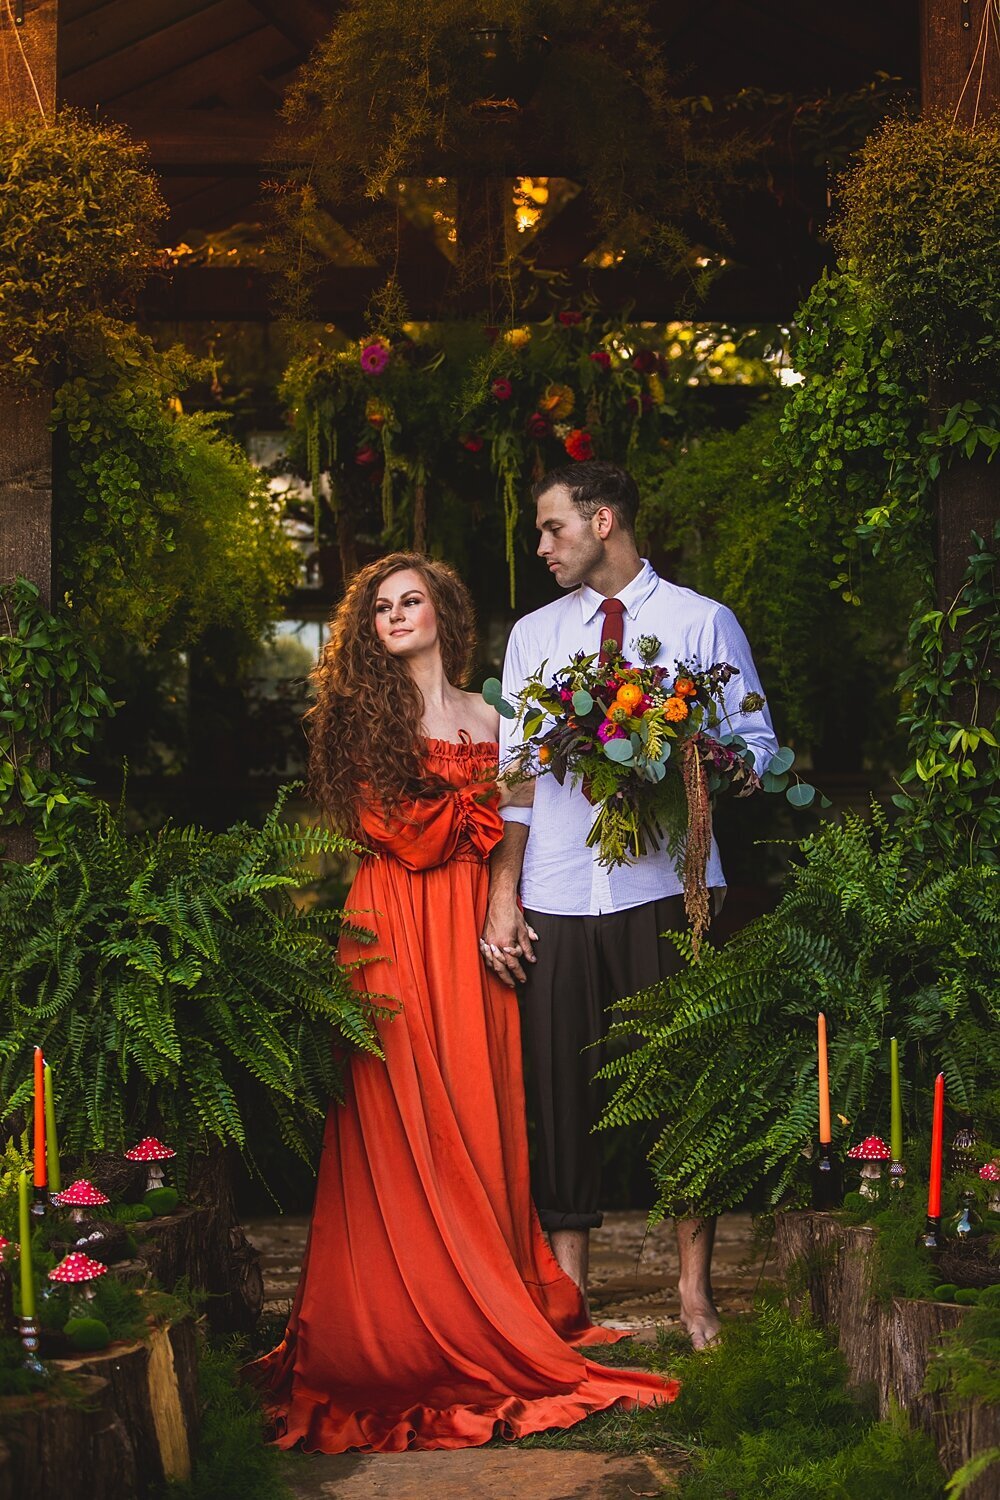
<point>522,794</point>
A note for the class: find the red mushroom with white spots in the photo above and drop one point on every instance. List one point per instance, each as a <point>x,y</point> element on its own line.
<point>991,1174</point>
<point>871,1153</point>
<point>80,1195</point>
<point>78,1272</point>
<point>151,1151</point>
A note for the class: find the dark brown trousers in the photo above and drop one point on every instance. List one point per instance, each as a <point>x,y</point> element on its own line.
<point>584,964</point>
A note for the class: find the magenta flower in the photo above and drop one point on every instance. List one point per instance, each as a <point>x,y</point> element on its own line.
<point>570,318</point>
<point>608,731</point>
<point>502,388</point>
<point>601,357</point>
<point>374,358</point>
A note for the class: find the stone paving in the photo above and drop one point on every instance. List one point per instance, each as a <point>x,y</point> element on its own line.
<point>633,1285</point>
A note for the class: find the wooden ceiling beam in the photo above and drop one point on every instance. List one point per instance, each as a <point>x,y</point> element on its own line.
<point>301,21</point>
<point>203,142</point>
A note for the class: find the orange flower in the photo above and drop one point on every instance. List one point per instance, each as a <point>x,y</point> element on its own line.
<point>685,688</point>
<point>544,754</point>
<point>617,713</point>
<point>629,696</point>
<point>675,709</point>
<point>556,402</point>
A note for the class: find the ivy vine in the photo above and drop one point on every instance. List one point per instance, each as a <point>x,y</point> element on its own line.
<point>51,702</point>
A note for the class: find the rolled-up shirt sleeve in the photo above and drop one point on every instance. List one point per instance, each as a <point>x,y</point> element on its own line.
<point>516,672</point>
<point>723,639</point>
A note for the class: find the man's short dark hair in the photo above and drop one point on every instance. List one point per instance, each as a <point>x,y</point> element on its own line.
<point>593,484</point>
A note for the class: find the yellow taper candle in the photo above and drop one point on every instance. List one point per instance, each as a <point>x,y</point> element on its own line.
<point>24,1229</point>
<point>51,1138</point>
<point>824,1083</point>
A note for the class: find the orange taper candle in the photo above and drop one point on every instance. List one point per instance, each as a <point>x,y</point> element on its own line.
<point>937,1150</point>
<point>824,1084</point>
<point>41,1172</point>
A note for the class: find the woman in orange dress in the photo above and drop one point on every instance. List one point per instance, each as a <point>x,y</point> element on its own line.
<point>430,1312</point>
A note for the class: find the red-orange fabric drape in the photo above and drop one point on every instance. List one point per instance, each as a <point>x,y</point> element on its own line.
<point>431,1312</point>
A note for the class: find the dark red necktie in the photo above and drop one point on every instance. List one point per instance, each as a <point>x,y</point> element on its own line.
<point>614,626</point>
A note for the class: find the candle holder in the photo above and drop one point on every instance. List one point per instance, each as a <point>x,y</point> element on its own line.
<point>827,1187</point>
<point>897,1174</point>
<point>31,1334</point>
<point>931,1238</point>
<point>39,1202</point>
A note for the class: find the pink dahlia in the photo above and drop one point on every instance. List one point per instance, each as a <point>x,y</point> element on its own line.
<point>502,388</point>
<point>608,731</point>
<point>374,358</point>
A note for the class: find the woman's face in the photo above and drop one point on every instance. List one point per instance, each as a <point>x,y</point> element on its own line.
<point>405,621</point>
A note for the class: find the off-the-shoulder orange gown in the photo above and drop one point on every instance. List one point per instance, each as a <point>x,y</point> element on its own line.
<point>431,1312</point>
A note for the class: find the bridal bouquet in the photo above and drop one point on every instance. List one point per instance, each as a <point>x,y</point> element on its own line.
<point>651,749</point>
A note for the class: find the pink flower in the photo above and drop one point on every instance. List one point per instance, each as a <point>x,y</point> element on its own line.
<point>601,357</point>
<point>374,358</point>
<point>570,318</point>
<point>502,388</point>
<point>365,456</point>
<point>538,426</point>
<point>472,442</point>
<point>608,731</point>
<point>565,695</point>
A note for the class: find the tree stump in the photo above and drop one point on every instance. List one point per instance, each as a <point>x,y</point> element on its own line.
<point>74,1446</point>
<point>886,1348</point>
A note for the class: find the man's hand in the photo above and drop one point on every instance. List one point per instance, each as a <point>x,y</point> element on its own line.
<point>520,794</point>
<point>507,941</point>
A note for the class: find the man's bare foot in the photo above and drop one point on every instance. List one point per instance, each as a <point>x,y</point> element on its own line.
<point>700,1321</point>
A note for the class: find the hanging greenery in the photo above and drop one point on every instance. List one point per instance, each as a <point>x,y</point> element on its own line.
<point>165,526</point>
<point>921,225</point>
<point>421,88</point>
<point>78,218</point>
<point>860,454</point>
<point>405,430</point>
<point>51,702</point>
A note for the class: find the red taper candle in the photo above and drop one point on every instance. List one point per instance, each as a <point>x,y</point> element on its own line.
<point>937,1150</point>
<point>41,1170</point>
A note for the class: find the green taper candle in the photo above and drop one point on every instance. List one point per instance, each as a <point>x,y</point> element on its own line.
<point>896,1121</point>
<point>51,1139</point>
<point>24,1228</point>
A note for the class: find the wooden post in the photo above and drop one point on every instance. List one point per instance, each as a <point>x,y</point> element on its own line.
<point>27,88</point>
<point>960,77</point>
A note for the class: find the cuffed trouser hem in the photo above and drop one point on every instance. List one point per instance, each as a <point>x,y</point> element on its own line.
<point>554,1218</point>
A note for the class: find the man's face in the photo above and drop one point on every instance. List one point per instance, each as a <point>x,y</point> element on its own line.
<point>570,545</point>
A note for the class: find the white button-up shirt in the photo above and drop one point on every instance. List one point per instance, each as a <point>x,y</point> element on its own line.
<point>561,875</point>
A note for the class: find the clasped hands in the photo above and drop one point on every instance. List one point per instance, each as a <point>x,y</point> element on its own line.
<point>506,943</point>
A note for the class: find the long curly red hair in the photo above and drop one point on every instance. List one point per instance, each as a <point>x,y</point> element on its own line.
<point>364,729</point>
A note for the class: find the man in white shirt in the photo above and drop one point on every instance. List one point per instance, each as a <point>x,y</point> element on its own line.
<point>584,936</point>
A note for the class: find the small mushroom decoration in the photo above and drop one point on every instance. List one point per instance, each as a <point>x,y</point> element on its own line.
<point>991,1174</point>
<point>80,1195</point>
<point>152,1151</point>
<point>872,1152</point>
<point>77,1270</point>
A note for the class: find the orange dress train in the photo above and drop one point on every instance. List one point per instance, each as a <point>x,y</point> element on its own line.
<point>431,1312</point>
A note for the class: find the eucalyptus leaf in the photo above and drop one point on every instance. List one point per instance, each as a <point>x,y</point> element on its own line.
<point>801,794</point>
<point>772,783</point>
<point>582,702</point>
<point>619,750</point>
<point>782,760</point>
